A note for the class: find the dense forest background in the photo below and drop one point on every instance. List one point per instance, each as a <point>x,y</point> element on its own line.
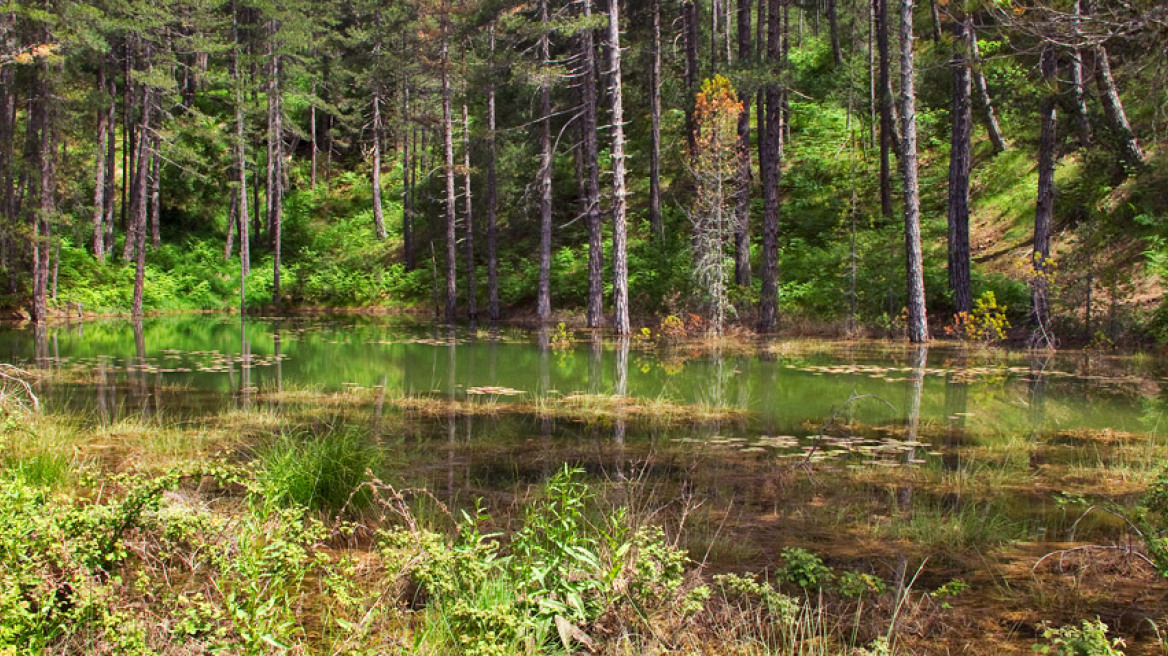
<point>770,164</point>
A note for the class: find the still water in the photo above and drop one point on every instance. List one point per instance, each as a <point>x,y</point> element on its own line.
<point>192,365</point>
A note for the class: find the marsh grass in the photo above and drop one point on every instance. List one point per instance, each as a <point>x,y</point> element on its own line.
<point>324,472</point>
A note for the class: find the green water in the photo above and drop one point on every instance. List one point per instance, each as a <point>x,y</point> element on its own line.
<point>191,365</point>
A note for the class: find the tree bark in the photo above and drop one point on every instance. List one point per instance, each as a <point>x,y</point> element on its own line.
<point>99,176</point>
<point>111,153</point>
<point>918,326</point>
<point>771,163</point>
<point>448,170</point>
<point>240,148</point>
<point>884,90</point>
<point>983,95</point>
<point>138,200</point>
<point>409,145</point>
<point>472,309</point>
<point>656,226</point>
<point>837,52</point>
<point>46,206</point>
<point>378,215</point>
<point>590,160</point>
<point>1078,91</point>
<point>492,200</point>
<point>1129,147</point>
<point>620,264</point>
<point>543,301</point>
<point>689,23</point>
<point>155,198</point>
<point>742,210</point>
<point>959,169</point>
<point>1044,204</point>
<point>276,173</point>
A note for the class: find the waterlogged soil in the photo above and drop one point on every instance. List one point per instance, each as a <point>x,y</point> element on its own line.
<point>992,467</point>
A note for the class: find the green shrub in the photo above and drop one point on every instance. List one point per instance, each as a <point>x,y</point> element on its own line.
<point>1087,639</point>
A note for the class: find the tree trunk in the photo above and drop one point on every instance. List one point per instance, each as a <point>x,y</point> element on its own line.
<point>1078,92</point>
<point>155,198</point>
<point>742,210</point>
<point>240,152</point>
<point>959,169</point>
<point>983,94</point>
<point>111,153</point>
<point>232,219</point>
<point>276,173</point>
<point>620,263</point>
<point>378,216</point>
<point>472,310</point>
<point>771,163</point>
<point>8,104</point>
<point>1129,148</point>
<point>448,170</point>
<point>409,145</point>
<point>837,52</point>
<point>655,222</point>
<point>936,21</point>
<point>138,200</point>
<point>99,176</point>
<point>689,26</point>
<point>590,160</point>
<point>492,200</point>
<point>543,301</point>
<point>46,206</point>
<point>918,325</point>
<point>1044,204</point>
<point>884,90</point>
<point>312,136</point>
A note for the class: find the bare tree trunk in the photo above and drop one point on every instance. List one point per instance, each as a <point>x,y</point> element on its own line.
<point>689,26</point>
<point>232,218</point>
<point>771,163</point>
<point>918,324</point>
<point>656,226</point>
<point>138,200</point>
<point>492,200</point>
<point>620,262</point>
<point>155,198</point>
<point>378,216</point>
<point>959,169</point>
<point>46,207</point>
<point>409,146</point>
<point>99,175</point>
<point>591,179</point>
<point>448,171</point>
<point>742,210</point>
<point>111,153</point>
<point>472,310</point>
<point>312,135</point>
<point>884,90</point>
<point>240,159</point>
<point>983,94</point>
<point>936,21</point>
<point>837,52</point>
<point>1044,204</point>
<point>1078,92</point>
<point>1129,148</point>
<point>276,172</point>
<point>543,301</point>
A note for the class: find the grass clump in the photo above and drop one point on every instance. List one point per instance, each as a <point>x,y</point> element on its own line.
<point>324,472</point>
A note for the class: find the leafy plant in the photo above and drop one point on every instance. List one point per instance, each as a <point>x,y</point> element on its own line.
<point>804,569</point>
<point>1087,639</point>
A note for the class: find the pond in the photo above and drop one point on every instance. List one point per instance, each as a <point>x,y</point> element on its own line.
<point>876,455</point>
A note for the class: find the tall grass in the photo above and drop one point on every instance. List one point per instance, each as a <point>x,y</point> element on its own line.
<point>325,472</point>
